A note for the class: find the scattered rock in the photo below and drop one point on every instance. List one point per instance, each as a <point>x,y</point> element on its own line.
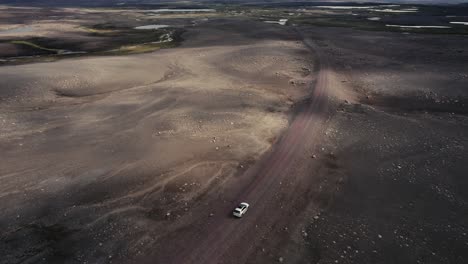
<point>314,156</point>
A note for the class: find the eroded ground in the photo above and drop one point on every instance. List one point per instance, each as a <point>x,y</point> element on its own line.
<point>118,146</point>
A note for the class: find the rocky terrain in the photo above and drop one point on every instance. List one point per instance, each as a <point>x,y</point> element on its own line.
<point>348,138</point>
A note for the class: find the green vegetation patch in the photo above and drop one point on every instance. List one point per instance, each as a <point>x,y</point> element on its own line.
<point>97,31</point>
<point>35,46</point>
<point>167,40</point>
<point>120,42</point>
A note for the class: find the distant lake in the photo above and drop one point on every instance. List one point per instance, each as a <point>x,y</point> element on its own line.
<point>180,10</point>
<point>404,26</point>
<point>345,7</point>
<point>459,23</point>
<point>280,22</point>
<point>24,29</point>
<point>152,27</point>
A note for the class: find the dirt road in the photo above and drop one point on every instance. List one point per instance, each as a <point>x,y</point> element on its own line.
<point>275,188</point>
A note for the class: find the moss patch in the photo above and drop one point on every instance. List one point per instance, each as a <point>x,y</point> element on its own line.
<point>35,46</point>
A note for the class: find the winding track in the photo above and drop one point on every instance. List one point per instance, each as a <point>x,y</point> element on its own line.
<point>275,187</point>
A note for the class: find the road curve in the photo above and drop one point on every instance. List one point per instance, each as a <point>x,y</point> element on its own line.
<point>275,188</point>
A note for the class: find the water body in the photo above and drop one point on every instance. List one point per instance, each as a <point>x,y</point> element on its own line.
<point>17,30</point>
<point>180,10</point>
<point>280,22</point>
<point>459,23</point>
<point>395,11</point>
<point>345,7</point>
<point>152,27</point>
<point>403,26</point>
<point>386,8</point>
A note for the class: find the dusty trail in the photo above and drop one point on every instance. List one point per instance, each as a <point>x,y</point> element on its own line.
<point>223,239</point>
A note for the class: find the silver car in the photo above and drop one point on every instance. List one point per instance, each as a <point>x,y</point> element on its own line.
<point>241,210</point>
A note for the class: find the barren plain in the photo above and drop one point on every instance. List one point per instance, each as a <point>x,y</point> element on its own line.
<point>125,145</point>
